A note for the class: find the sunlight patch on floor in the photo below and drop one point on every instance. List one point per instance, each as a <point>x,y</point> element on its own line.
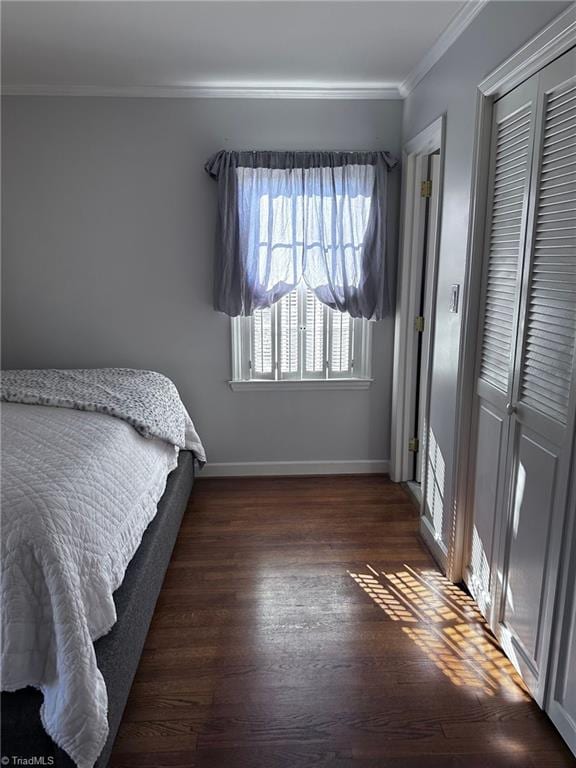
<point>445,623</point>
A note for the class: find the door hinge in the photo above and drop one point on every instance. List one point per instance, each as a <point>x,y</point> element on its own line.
<point>426,188</point>
<point>419,324</point>
<point>413,445</point>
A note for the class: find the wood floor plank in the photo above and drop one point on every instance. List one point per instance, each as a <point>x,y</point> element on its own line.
<point>302,623</point>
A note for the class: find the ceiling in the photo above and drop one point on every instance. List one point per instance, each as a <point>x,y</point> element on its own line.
<point>212,44</point>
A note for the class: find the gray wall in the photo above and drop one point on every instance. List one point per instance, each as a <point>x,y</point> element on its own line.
<point>107,257</point>
<point>450,88</point>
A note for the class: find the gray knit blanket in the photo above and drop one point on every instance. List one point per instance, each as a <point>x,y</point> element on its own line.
<point>147,400</point>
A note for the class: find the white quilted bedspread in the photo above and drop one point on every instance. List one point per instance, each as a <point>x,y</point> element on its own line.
<point>78,491</point>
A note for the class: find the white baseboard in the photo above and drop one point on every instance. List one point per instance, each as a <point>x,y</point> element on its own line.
<point>268,468</point>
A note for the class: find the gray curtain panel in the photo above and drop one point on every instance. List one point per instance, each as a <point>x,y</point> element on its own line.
<point>317,217</point>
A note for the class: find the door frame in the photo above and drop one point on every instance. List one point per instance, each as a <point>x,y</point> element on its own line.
<point>554,40</point>
<point>428,292</point>
<point>564,609</point>
<point>413,217</point>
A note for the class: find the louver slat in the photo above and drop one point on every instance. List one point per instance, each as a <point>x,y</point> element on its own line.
<point>550,336</point>
<point>506,218</point>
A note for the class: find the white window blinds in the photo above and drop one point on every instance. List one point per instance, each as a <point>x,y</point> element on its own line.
<point>301,338</point>
<point>315,338</point>
<point>262,352</point>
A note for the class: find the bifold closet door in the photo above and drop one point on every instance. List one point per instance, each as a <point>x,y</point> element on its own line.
<point>542,404</point>
<point>544,399</point>
<point>506,222</point>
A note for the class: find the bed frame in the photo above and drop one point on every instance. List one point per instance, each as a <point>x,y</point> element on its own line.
<point>118,652</point>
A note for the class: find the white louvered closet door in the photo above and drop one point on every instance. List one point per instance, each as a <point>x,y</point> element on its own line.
<point>506,224</point>
<point>543,392</point>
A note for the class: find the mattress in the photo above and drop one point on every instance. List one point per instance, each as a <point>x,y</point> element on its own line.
<point>118,652</point>
<point>78,492</point>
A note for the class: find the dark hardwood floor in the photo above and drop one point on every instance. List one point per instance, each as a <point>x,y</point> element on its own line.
<point>303,623</point>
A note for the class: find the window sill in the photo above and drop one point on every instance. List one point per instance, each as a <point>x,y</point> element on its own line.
<point>291,384</point>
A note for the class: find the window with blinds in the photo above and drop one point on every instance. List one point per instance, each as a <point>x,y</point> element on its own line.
<point>299,338</point>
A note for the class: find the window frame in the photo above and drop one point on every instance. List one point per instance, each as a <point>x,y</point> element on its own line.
<point>241,353</point>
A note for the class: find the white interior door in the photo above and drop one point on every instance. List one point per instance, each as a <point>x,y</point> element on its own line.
<point>542,403</point>
<point>428,302</point>
<point>417,283</point>
<point>505,236</point>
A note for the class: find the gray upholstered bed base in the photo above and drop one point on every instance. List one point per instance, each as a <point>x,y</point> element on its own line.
<point>118,652</point>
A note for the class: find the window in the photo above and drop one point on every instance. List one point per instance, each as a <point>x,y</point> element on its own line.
<point>318,217</point>
<point>300,339</point>
<point>301,251</point>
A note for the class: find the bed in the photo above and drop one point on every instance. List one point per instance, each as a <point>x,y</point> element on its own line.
<point>92,503</point>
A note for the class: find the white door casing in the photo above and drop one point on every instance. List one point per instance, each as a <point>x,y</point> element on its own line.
<point>560,702</point>
<point>415,164</point>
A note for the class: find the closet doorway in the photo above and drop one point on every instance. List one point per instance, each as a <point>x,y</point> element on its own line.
<point>525,409</point>
<point>516,480</point>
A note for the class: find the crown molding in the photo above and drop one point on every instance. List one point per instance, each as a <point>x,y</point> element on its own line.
<point>263,90</point>
<point>365,91</point>
<point>554,40</point>
<point>452,32</point>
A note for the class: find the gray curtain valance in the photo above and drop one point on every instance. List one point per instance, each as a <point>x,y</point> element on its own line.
<point>317,217</point>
